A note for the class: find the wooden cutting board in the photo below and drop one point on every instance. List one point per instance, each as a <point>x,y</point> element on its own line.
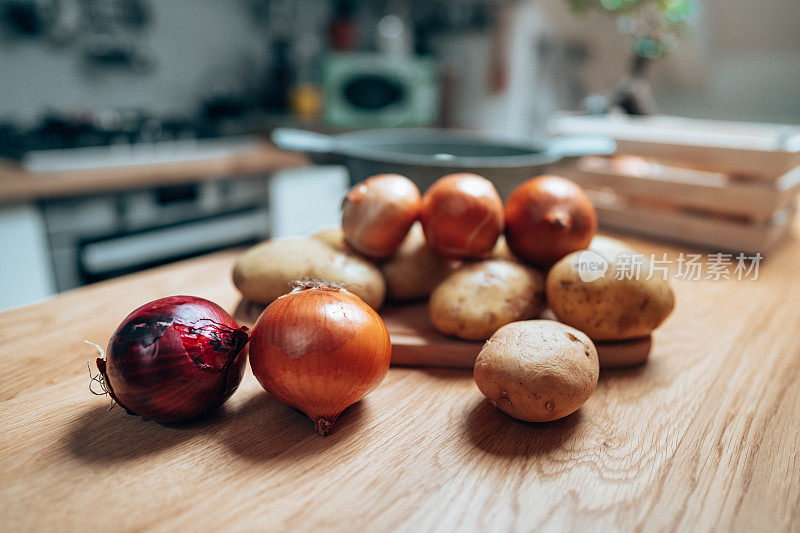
<point>416,343</point>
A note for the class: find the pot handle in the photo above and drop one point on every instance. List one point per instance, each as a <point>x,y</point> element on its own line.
<point>294,140</point>
<point>578,145</point>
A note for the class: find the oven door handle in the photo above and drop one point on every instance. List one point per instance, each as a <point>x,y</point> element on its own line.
<point>151,246</point>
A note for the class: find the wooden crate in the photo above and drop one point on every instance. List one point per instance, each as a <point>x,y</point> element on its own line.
<point>715,184</point>
<point>708,209</point>
<point>757,151</point>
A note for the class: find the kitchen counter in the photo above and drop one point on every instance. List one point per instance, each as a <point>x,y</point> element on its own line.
<point>17,184</point>
<point>706,435</point>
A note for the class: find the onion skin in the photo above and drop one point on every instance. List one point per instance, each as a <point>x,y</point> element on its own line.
<point>548,217</point>
<point>320,349</point>
<point>462,216</point>
<point>378,212</point>
<point>174,359</point>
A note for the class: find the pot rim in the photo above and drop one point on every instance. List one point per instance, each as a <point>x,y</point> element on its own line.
<point>356,144</point>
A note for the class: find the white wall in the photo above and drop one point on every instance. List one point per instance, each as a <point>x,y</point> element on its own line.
<point>192,40</point>
<point>752,71</point>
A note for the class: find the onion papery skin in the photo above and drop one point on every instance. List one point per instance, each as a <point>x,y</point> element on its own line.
<point>174,359</point>
<point>462,216</point>
<point>548,217</point>
<point>320,349</point>
<point>377,214</point>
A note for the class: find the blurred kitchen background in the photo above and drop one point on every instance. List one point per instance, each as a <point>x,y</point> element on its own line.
<point>134,133</point>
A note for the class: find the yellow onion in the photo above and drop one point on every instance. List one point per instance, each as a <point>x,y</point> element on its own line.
<point>320,349</point>
<point>548,217</point>
<point>462,216</point>
<point>378,212</point>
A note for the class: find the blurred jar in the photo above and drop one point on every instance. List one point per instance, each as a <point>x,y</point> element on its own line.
<point>305,98</point>
<point>306,101</point>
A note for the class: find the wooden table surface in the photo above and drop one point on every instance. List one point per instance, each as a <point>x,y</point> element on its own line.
<point>705,436</point>
<point>17,184</point>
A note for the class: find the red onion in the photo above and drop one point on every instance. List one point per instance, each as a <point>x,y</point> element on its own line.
<point>174,359</point>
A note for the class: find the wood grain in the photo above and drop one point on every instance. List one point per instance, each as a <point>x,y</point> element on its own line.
<point>754,151</point>
<point>415,342</point>
<point>18,185</point>
<point>705,436</point>
<point>710,192</point>
<point>711,232</point>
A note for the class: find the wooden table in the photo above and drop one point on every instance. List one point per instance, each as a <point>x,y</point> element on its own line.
<point>705,436</point>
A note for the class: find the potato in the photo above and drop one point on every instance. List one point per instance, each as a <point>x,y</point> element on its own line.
<point>333,237</point>
<point>608,308</point>
<point>537,370</point>
<point>415,270</point>
<point>476,299</point>
<point>501,250</point>
<point>609,247</point>
<point>267,270</point>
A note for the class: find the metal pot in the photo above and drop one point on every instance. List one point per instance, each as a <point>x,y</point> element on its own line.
<point>426,154</point>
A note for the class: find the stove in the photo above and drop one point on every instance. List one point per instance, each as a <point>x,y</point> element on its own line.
<point>99,236</point>
<point>97,139</point>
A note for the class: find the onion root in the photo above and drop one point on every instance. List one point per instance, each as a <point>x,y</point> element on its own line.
<point>323,426</point>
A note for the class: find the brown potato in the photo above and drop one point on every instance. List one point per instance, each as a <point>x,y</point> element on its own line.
<point>537,370</point>
<point>609,247</point>
<point>611,307</point>
<point>333,237</point>
<point>415,270</point>
<point>501,250</point>
<point>618,354</point>
<point>478,298</point>
<point>267,270</point>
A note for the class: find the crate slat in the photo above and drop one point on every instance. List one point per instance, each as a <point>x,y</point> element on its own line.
<point>762,152</point>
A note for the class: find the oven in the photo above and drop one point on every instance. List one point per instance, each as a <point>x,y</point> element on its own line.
<point>98,237</point>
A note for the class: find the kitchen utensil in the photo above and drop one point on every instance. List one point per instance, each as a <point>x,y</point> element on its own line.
<point>426,154</point>
<point>416,343</point>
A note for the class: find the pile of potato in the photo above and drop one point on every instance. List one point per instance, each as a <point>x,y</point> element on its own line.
<point>487,270</point>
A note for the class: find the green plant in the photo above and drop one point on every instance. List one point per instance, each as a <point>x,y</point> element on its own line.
<point>653,25</point>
